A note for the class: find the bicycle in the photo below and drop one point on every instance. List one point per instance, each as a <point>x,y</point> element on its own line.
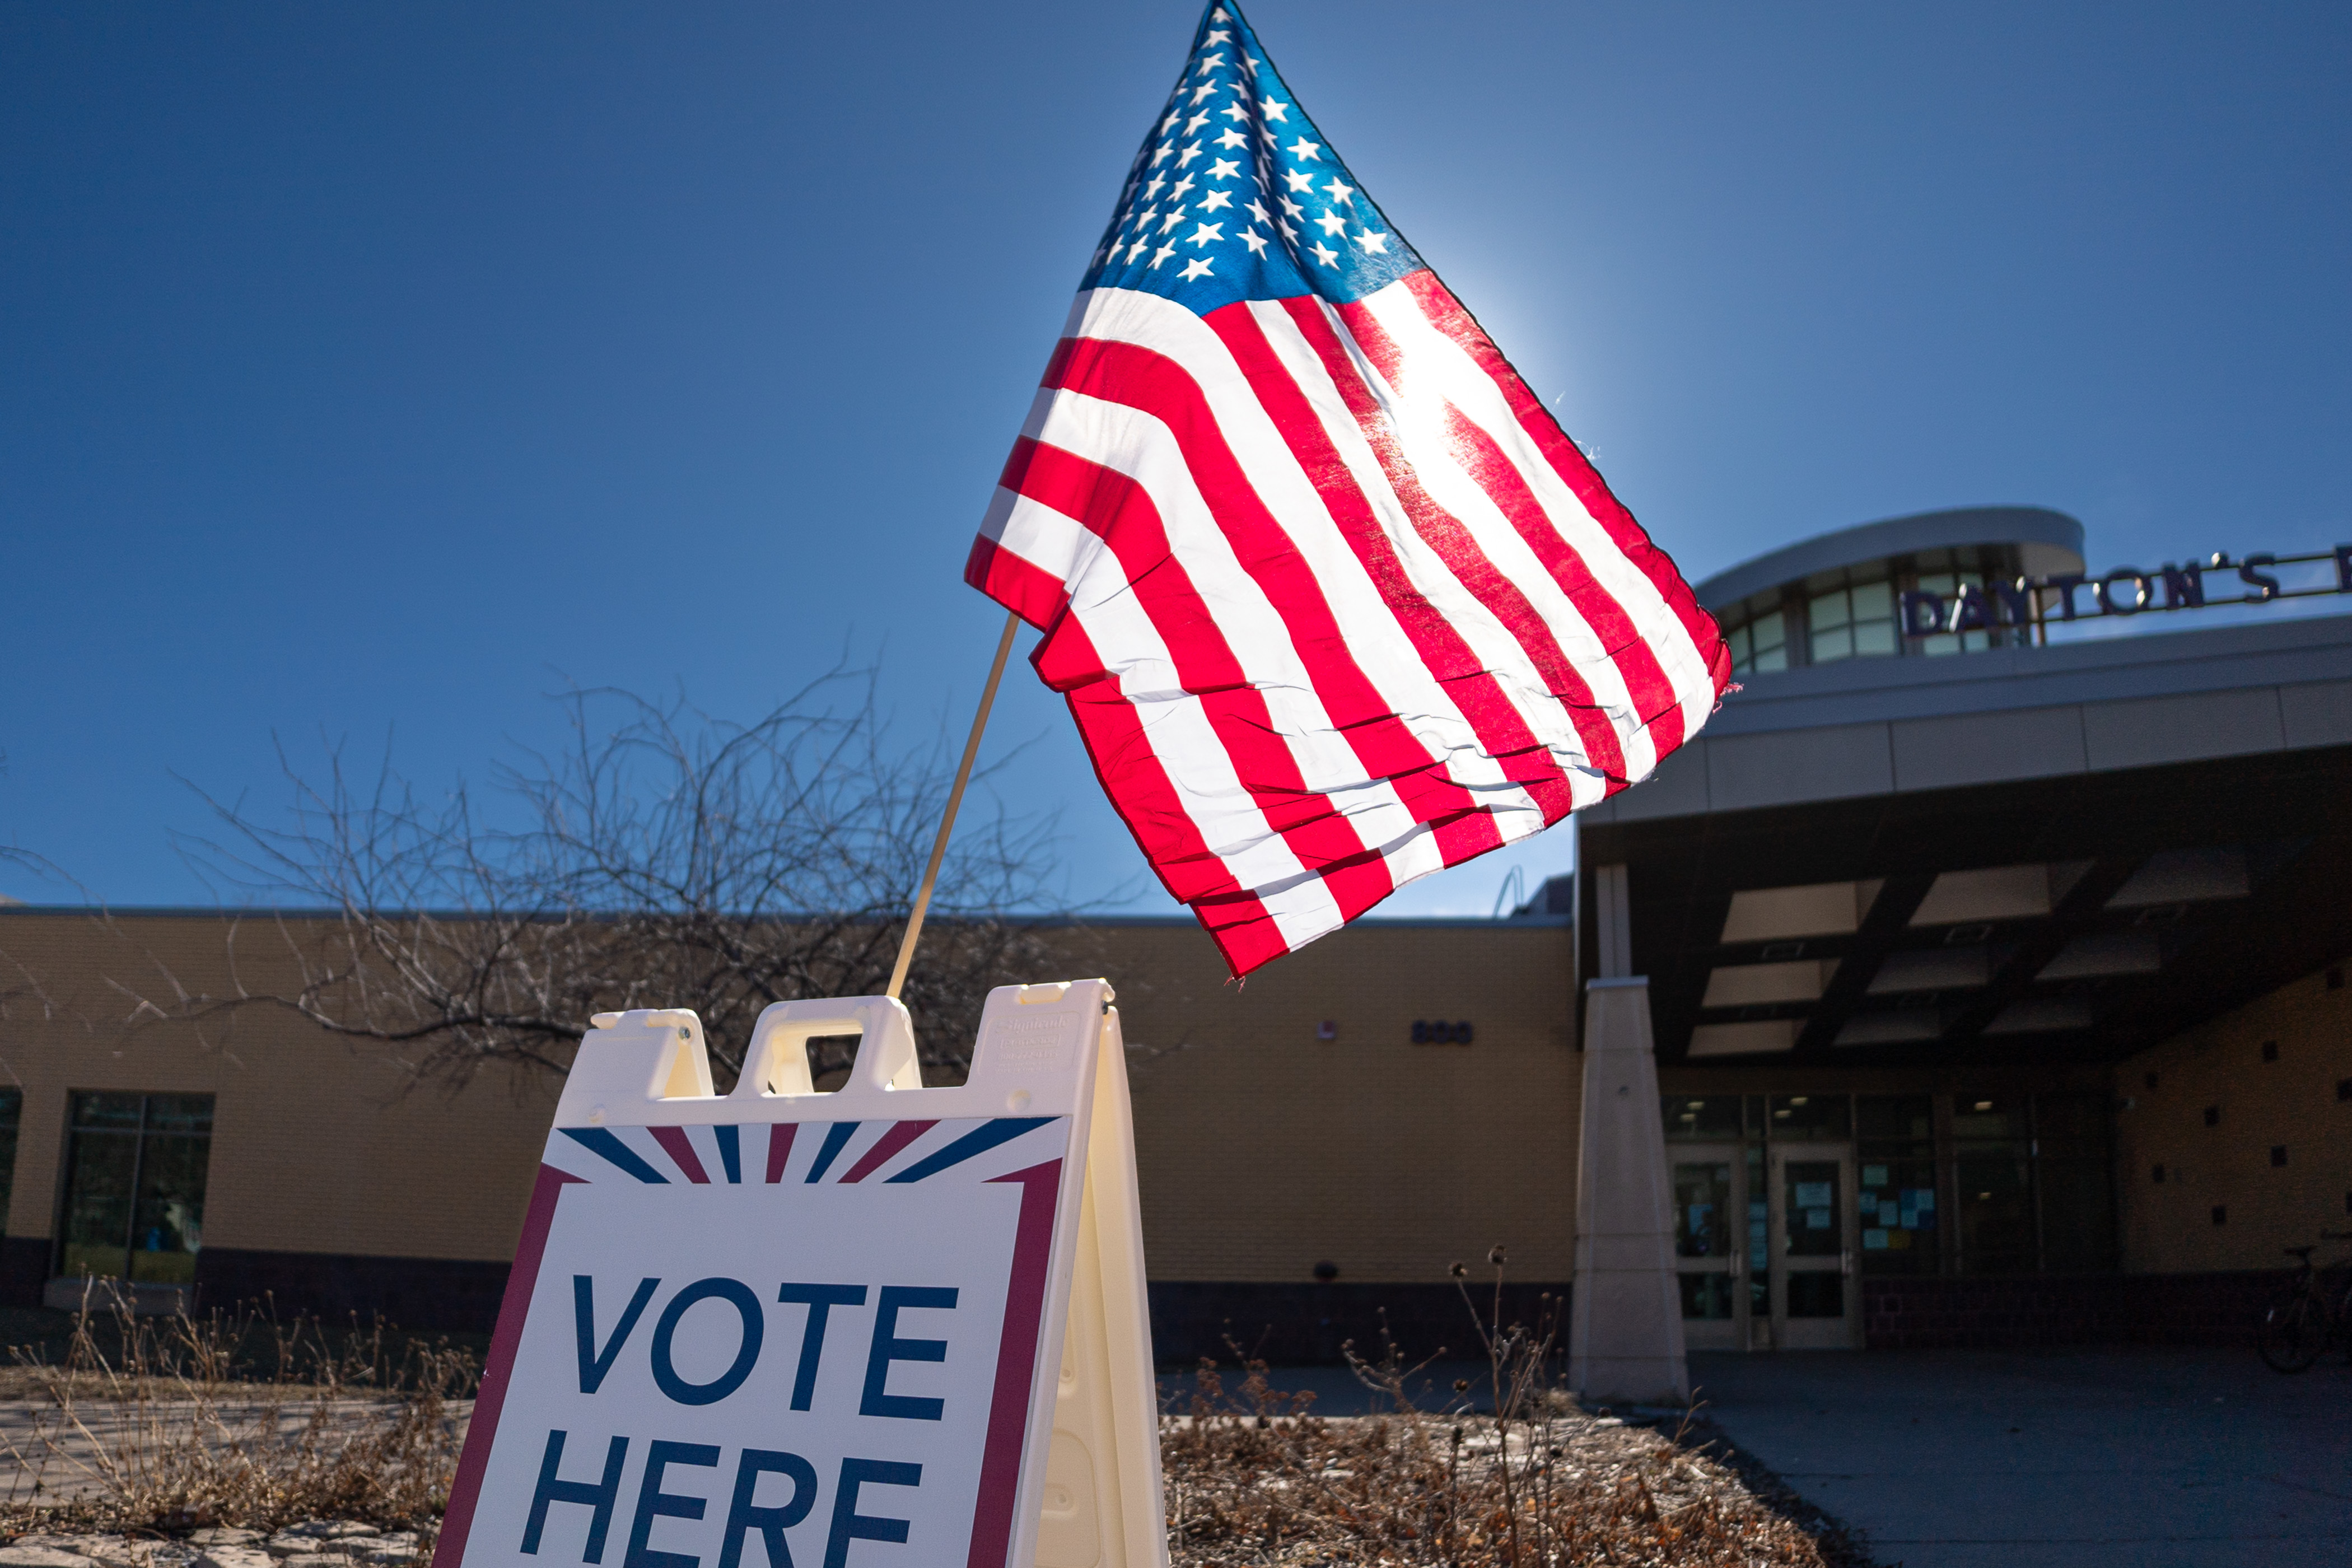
<point>2299,1326</point>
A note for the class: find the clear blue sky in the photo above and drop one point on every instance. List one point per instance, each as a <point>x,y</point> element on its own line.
<point>370,368</point>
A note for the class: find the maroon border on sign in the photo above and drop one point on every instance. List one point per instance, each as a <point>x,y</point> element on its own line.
<point>1008,1411</point>
<point>457,1519</point>
<point>1016,1365</point>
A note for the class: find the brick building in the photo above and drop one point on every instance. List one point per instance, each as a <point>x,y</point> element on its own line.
<point>1997,983</point>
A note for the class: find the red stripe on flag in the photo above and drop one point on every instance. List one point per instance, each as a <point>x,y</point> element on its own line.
<point>1462,828</point>
<point>1468,560</point>
<point>1129,770</point>
<point>1446,314</point>
<point>1133,777</point>
<point>1653,695</point>
<point>1244,933</point>
<point>1655,701</point>
<point>1117,509</point>
<point>1022,586</point>
<point>1502,730</point>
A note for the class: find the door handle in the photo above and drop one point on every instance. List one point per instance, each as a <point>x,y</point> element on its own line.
<point>1845,1263</point>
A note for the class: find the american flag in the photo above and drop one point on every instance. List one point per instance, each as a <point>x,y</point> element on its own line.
<point>1335,602</point>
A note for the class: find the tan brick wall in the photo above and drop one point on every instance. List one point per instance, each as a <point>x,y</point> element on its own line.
<point>2291,1102</point>
<point>318,1145</point>
<point>1263,1150</point>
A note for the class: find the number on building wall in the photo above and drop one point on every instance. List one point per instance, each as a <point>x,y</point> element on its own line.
<point>1428,1032</point>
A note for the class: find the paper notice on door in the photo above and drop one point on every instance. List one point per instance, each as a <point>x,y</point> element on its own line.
<point>1873,1175</point>
<point>1874,1241</point>
<point>1817,1219</point>
<point>1813,1195</point>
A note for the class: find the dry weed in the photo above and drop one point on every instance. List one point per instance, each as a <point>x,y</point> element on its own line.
<point>1255,1478</point>
<point>173,1431</point>
<point>170,1426</point>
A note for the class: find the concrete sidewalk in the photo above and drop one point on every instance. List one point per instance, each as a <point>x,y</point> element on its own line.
<point>2151,1459</point>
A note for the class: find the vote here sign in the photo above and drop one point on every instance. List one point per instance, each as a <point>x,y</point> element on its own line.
<point>779,1327</point>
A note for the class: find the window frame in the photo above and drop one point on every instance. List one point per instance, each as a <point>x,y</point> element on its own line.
<point>139,1135</point>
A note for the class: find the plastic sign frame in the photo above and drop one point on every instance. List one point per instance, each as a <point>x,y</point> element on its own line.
<point>781,1327</point>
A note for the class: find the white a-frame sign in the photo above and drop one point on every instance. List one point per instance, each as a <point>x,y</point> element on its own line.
<point>888,1327</point>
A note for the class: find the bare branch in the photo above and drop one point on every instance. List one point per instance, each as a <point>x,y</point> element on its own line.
<point>660,857</point>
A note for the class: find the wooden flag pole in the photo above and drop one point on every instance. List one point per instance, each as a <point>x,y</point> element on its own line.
<point>946,820</point>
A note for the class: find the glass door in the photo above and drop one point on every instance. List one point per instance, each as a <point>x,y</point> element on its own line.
<point>1755,1253</point>
<point>1815,1304</point>
<point>1711,1235</point>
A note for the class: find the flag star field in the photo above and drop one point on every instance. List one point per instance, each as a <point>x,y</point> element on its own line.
<point>1236,196</point>
<point>1334,601</point>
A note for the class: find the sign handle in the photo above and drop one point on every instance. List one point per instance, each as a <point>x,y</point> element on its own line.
<point>947,819</point>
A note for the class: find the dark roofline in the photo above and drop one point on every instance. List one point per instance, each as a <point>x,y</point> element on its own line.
<point>1894,536</point>
<point>190,912</point>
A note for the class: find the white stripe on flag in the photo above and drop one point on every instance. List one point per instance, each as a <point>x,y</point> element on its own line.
<point>1417,412</point>
<point>1490,641</point>
<point>1473,391</point>
<point>1378,643</point>
<point>1142,447</point>
<point>1199,770</point>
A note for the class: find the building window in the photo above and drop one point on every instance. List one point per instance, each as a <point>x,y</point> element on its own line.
<point>2033,1182</point>
<point>1946,587</point>
<point>1895,1149</point>
<point>2027,1180</point>
<point>1992,1159</point>
<point>2075,1175</point>
<point>1799,1118</point>
<point>134,1201</point>
<point>1855,622</point>
<point>1761,644</point>
<point>1714,1118</point>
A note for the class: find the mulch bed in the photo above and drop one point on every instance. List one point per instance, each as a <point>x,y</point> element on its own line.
<point>1259,1480</point>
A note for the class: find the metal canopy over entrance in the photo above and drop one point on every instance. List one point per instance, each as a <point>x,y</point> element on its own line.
<point>2079,918</point>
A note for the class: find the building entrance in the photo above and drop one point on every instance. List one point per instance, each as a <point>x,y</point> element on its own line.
<point>1815,1304</point>
<point>1765,1247</point>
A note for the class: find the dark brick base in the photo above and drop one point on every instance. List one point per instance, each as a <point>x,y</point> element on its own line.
<point>24,1269</point>
<point>2067,1310</point>
<point>417,1294</point>
<point>1307,1324</point>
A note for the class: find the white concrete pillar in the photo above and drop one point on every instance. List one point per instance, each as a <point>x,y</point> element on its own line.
<point>1625,1326</point>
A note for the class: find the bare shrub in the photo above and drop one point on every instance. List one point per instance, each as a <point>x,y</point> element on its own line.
<point>162,1424</point>
<point>664,859</point>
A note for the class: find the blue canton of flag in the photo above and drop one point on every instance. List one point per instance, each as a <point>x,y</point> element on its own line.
<point>1236,196</point>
